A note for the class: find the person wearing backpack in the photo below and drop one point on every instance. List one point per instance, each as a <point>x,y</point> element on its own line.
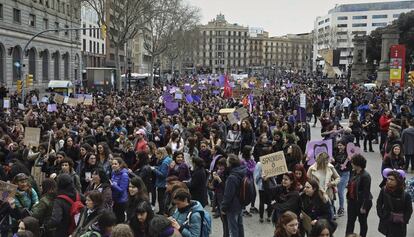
<point>66,207</point>
<point>231,206</point>
<point>190,218</point>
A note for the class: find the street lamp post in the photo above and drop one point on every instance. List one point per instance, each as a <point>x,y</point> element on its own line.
<point>350,58</point>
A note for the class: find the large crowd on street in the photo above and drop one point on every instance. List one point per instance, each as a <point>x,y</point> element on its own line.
<point>165,161</point>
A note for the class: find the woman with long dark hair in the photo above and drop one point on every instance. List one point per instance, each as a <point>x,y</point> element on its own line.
<point>100,182</point>
<point>343,167</point>
<point>91,164</point>
<point>90,213</point>
<point>247,134</point>
<point>300,174</point>
<point>198,182</point>
<point>141,219</point>
<point>104,156</point>
<point>321,228</point>
<point>286,196</point>
<point>394,206</point>
<point>315,203</point>
<point>137,194</point>
<point>393,160</point>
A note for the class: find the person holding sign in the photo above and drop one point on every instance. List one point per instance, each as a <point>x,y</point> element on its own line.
<point>315,206</point>
<point>343,167</point>
<point>286,196</point>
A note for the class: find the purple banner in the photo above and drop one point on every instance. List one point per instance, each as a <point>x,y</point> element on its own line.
<point>189,98</point>
<point>171,107</point>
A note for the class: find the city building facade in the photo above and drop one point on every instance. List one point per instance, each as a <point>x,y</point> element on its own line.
<point>92,40</point>
<point>53,55</point>
<point>335,31</point>
<point>223,47</point>
<point>141,58</point>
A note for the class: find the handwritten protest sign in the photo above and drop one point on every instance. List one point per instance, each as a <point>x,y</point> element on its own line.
<point>7,190</point>
<point>273,164</point>
<point>59,99</point>
<point>6,103</point>
<point>242,113</point>
<point>232,119</point>
<point>314,148</point>
<point>88,101</point>
<point>21,106</point>
<point>31,136</point>
<point>72,102</point>
<point>81,99</point>
<point>178,96</point>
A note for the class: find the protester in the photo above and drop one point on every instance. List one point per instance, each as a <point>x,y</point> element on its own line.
<point>140,221</point>
<point>287,225</point>
<point>394,206</point>
<point>359,196</point>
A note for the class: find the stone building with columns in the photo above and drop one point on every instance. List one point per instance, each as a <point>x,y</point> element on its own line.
<point>51,56</point>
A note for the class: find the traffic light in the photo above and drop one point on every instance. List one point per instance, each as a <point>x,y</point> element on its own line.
<point>29,80</point>
<point>103,30</point>
<point>19,86</point>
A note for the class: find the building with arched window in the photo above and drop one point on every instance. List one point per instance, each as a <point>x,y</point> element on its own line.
<point>54,55</point>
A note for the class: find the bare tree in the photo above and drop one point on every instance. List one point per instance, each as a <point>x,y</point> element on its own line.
<point>123,19</point>
<point>183,48</point>
<point>172,16</point>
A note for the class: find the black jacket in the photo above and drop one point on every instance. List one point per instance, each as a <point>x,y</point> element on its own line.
<point>362,189</point>
<point>398,202</point>
<point>60,219</point>
<point>198,186</point>
<point>315,208</point>
<point>231,199</point>
<point>86,221</point>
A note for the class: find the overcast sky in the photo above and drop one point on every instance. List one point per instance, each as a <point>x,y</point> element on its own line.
<point>278,17</point>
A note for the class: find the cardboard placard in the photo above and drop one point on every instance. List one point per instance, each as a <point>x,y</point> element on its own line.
<point>241,113</point>
<point>72,102</point>
<point>59,99</point>
<point>273,164</point>
<point>6,103</point>
<point>7,190</point>
<point>88,101</point>
<point>31,136</point>
<point>227,111</point>
<point>232,119</point>
<point>81,99</point>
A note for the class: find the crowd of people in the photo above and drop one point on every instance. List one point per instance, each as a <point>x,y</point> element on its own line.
<point>128,166</point>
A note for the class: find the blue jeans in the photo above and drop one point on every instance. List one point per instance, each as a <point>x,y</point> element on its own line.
<point>235,223</point>
<point>341,187</point>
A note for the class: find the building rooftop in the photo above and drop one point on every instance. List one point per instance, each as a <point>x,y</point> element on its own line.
<point>375,6</point>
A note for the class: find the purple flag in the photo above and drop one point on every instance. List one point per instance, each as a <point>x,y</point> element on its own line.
<point>197,98</point>
<point>187,88</point>
<point>189,98</point>
<point>171,107</point>
<point>168,98</point>
<point>314,148</point>
<point>217,83</point>
<point>221,80</point>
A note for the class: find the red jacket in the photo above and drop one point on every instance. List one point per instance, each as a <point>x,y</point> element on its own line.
<point>384,123</point>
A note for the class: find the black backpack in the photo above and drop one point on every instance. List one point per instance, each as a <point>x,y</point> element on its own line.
<point>247,191</point>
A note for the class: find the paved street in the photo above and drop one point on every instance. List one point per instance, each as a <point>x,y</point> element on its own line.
<point>252,226</point>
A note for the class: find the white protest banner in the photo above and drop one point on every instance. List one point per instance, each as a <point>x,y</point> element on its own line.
<point>273,164</point>
<point>7,190</point>
<point>81,99</point>
<point>31,136</point>
<point>227,111</point>
<point>303,100</point>
<point>66,99</point>
<point>6,103</point>
<point>51,108</point>
<point>232,119</point>
<point>21,106</point>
